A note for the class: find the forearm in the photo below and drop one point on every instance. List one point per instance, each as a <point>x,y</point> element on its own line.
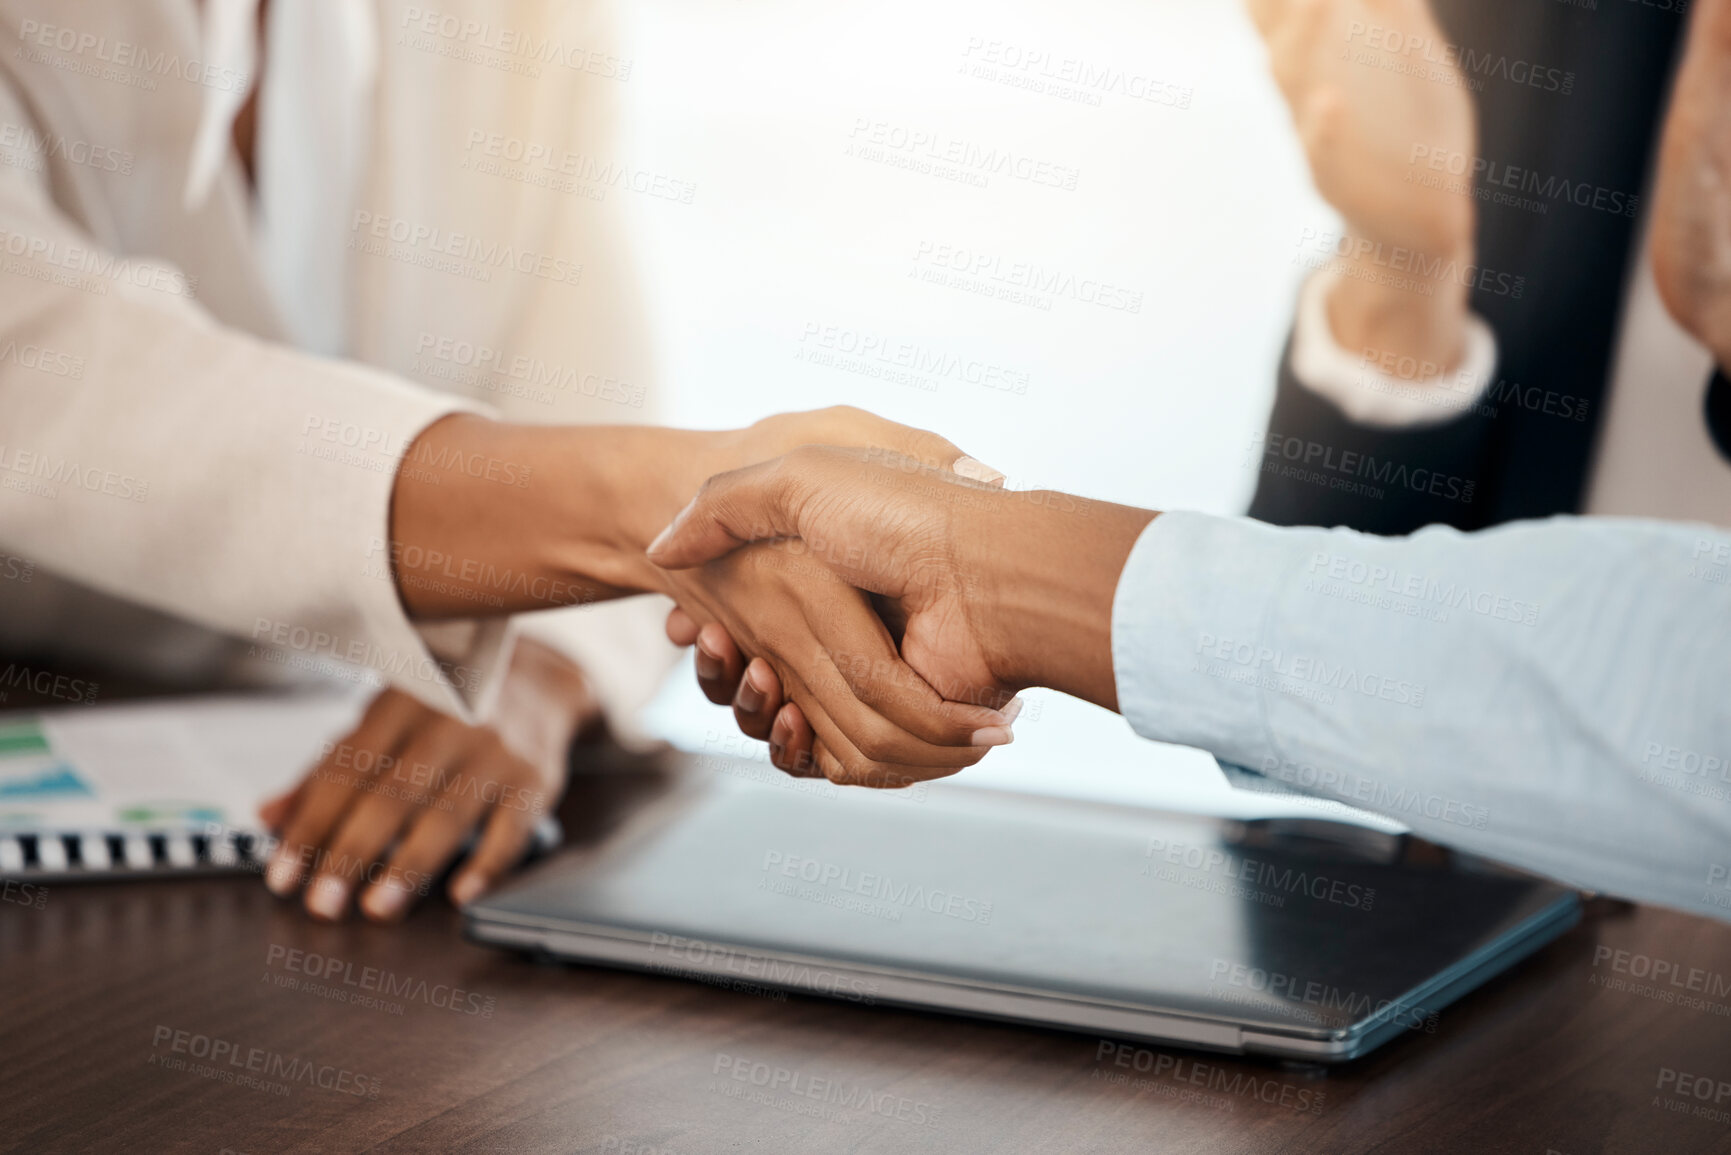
<point>1394,307</point>
<point>505,518</point>
<point>1048,566</point>
<point>1528,693</point>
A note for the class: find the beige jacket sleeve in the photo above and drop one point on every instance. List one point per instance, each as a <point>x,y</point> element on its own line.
<point>167,460</point>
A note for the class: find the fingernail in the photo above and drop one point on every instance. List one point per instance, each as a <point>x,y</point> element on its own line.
<point>752,690</point>
<point>993,736</point>
<point>660,539</point>
<point>709,664</point>
<point>467,889</point>
<point>976,471</point>
<point>1012,711</point>
<point>385,901</point>
<point>328,898</point>
<point>284,872</point>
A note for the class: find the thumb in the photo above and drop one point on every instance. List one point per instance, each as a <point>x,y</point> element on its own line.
<point>731,510</point>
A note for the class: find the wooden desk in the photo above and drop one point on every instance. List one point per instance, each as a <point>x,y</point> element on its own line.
<point>112,996</point>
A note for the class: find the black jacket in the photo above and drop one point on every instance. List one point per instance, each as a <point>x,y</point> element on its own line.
<point>1581,129</point>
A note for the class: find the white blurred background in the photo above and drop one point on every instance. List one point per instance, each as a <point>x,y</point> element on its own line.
<point>1198,209</point>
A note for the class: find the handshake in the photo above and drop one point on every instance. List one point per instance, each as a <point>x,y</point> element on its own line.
<point>917,597</point>
<point>868,598</point>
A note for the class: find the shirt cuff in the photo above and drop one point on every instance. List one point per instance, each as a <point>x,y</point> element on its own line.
<point>1190,607</point>
<point>454,665</point>
<point>623,651</point>
<point>1364,391</point>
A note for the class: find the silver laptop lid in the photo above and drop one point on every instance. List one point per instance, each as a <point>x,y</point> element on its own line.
<point>1306,929</point>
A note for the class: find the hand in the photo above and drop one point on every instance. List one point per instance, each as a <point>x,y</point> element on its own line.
<point>859,715</point>
<point>1692,201</point>
<point>993,591</point>
<point>589,504</point>
<point>1394,153</point>
<point>489,517</point>
<point>390,804</point>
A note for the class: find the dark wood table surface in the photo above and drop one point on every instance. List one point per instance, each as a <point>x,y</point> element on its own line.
<point>129,1015</point>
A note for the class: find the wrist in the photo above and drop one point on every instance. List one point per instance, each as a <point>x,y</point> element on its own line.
<point>1045,569</point>
<point>1396,306</point>
<point>492,518</point>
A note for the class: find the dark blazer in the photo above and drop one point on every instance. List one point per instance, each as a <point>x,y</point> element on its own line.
<point>1590,136</point>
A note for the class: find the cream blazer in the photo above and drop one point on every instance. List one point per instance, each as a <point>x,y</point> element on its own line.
<point>171,471</point>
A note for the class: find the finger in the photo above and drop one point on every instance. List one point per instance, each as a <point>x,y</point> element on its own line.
<point>433,840</point>
<point>348,769</point>
<point>502,845</point>
<point>841,425</point>
<point>873,753</point>
<point>433,754</point>
<point>758,701</point>
<point>275,811</point>
<point>790,743</point>
<point>732,509</point>
<point>1265,14</point>
<point>681,627</point>
<point>719,664</point>
<point>888,709</point>
<point>360,838</point>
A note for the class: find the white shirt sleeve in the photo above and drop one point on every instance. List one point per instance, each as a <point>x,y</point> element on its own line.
<point>1404,394</point>
<point>1553,694</point>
